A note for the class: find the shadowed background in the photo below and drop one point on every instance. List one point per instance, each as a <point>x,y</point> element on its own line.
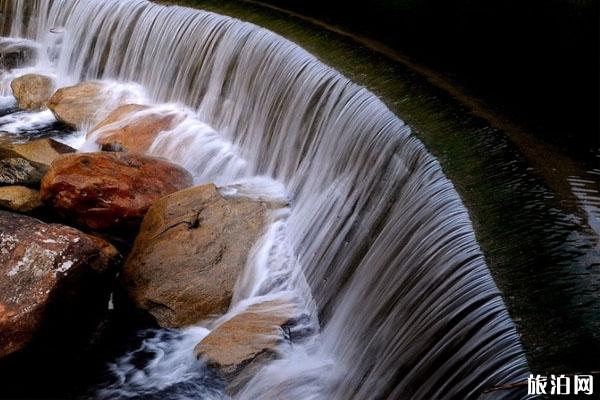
<point>536,61</point>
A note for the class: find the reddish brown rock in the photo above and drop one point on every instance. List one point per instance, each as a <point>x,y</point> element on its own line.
<point>32,91</point>
<point>189,253</point>
<point>52,277</point>
<point>257,331</point>
<point>109,190</point>
<point>126,128</point>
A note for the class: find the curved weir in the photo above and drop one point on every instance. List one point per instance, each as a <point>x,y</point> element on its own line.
<point>376,244</point>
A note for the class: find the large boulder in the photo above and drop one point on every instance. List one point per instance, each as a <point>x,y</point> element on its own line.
<point>52,278</point>
<point>109,190</point>
<point>25,164</point>
<point>32,91</point>
<point>78,105</point>
<point>240,346</point>
<point>133,127</point>
<point>190,249</point>
<point>19,198</point>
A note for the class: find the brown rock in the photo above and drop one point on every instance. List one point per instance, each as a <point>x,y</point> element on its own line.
<point>191,247</point>
<point>109,190</point>
<point>32,91</point>
<point>26,164</point>
<point>239,347</point>
<point>19,198</point>
<point>126,130</point>
<point>77,105</point>
<point>50,276</point>
<point>41,151</point>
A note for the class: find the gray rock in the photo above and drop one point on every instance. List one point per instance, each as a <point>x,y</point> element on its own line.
<point>16,53</point>
<point>19,171</point>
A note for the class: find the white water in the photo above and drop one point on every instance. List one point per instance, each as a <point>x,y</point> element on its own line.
<point>375,238</point>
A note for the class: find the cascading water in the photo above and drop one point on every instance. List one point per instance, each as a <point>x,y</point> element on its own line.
<point>375,238</point>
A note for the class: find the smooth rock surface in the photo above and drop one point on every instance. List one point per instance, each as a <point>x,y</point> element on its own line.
<point>246,341</point>
<point>79,104</point>
<point>41,151</point>
<point>32,91</point>
<point>52,278</point>
<point>19,198</point>
<point>109,190</point>
<point>133,127</point>
<point>189,252</point>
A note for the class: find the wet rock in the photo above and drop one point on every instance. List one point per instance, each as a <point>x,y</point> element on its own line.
<point>191,247</point>
<point>16,53</point>
<point>77,105</point>
<point>133,127</point>
<point>52,278</point>
<point>19,198</point>
<point>109,190</point>
<point>32,91</point>
<point>237,348</point>
<point>25,164</point>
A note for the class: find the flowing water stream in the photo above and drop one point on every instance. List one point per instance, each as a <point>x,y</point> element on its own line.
<point>376,246</point>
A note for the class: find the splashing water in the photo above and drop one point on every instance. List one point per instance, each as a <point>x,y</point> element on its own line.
<point>375,244</point>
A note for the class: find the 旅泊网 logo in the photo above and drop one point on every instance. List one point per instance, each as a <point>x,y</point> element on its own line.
<point>560,385</point>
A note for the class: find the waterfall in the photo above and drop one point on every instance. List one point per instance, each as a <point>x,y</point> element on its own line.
<point>376,238</point>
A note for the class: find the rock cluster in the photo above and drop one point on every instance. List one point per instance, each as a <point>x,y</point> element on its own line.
<point>192,246</point>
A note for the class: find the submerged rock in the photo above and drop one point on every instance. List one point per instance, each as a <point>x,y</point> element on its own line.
<point>191,247</point>
<point>237,348</point>
<point>32,91</point>
<point>19,198</point>
<point>109,190</point>
<point>125,128</point>
<point>52,279</point>
<point>77,105</point>
<point>25,164</point>
<point>16,53</point>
